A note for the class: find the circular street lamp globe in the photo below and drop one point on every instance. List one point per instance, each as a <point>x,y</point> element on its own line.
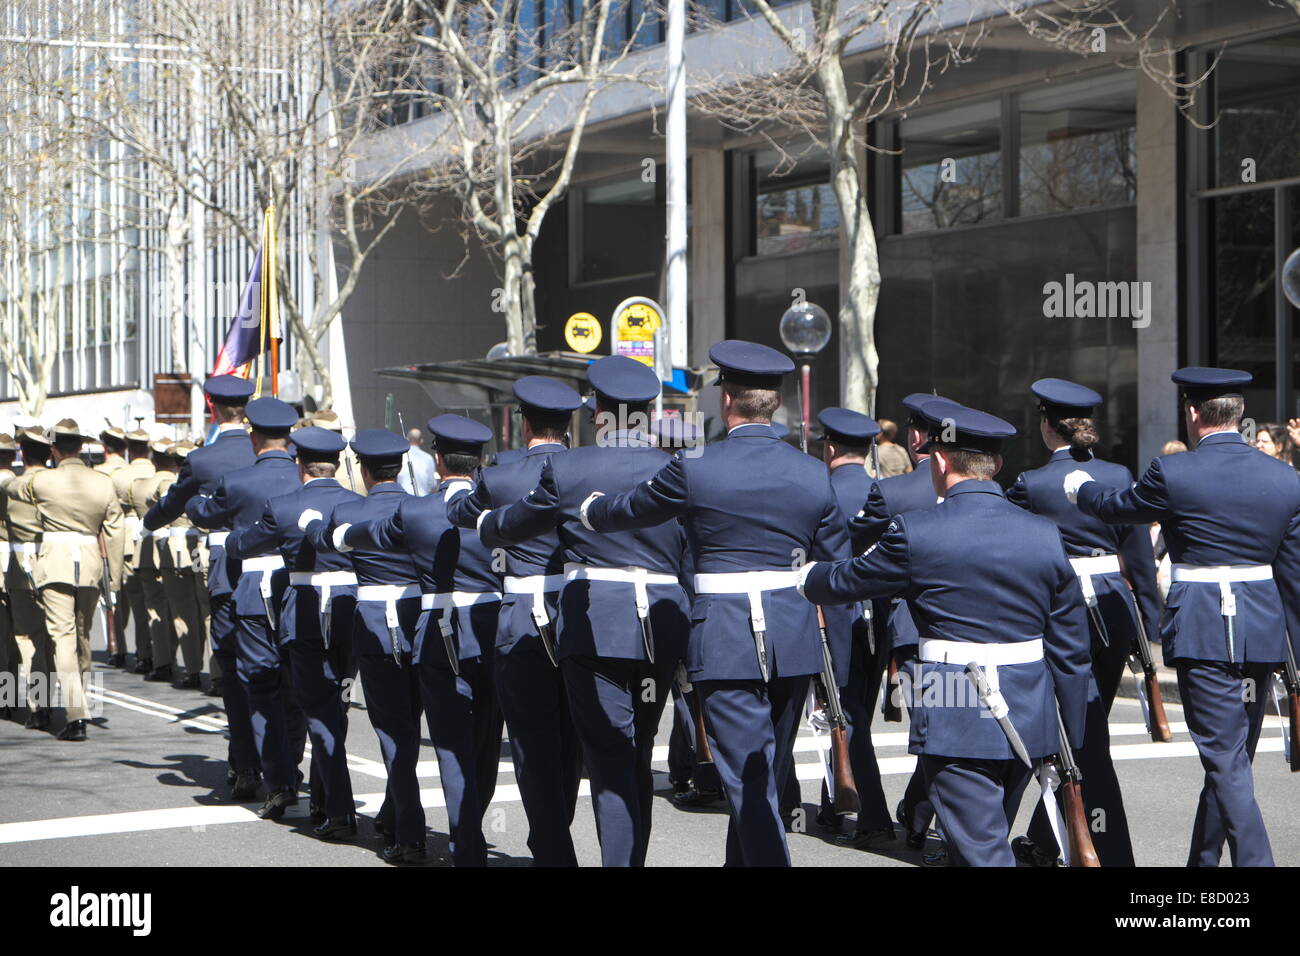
<point>1291,278</point>
<point>805,328</point>
<point>499,351</point>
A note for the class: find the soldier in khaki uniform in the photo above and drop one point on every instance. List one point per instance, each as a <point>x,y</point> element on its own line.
<point>75,505</point>
<point>23,527</point>
<point>147,566</point>
<point>114,441</point>
<point>131,597</point>
<point>169,554</point>
<point>10,658</point>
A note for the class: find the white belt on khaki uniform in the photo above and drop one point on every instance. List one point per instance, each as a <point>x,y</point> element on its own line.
<point>1086,567</point>
<point>988,656</point>
<point>538,585</point>
<point>443,600</point>
<point>74,541</point>
<point>217,539</point>
<point>637,577</point>
<point>134,527</point>
<point>1223,575</point>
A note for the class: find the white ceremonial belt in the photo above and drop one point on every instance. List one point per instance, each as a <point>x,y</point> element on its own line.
<point>217,539</point>
<point>181,532</point>
<point>988,656</point>
<point>1222,573</point>
<point>4,547</point>
<point>639,578</point>
<point>1096,564</point>
<point>22,547</point>
<point>387,592</point>
<point>267,562</point>
<point>751,583</point>
<point>161,533</point>
<point>134,527</point>
<point>321,579</point>
<point>533,584</point>
<point>444,599</point>
<point>69,537</point>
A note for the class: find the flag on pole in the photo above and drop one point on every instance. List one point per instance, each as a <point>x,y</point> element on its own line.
<point>255,329</point>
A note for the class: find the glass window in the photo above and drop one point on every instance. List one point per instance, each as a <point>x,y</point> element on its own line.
<point>951,167</point>
<point>794,205</point>
<point>620,229</point>
<point>1258,120</point>
<point>1077,145</point>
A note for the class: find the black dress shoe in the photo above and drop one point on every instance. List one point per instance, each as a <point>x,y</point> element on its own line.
<point>246,784</point>
<point>696,798</point>
<point>316,814</point>
<point>275,804</point>
<point>915,839</point>
<point>938,857</point>
<point>190,683</point>
<point>336,828</point>
<point>867,839</point>
<point>1028,852</point>
<point>162,675</point>
<point>143,666</point>
<point>402,853</point>
<point>829,822</point>
<point>214,688</point>
<point>39,719</point>
<point>231,776</point>
<point>117,660</point>
<point>75,730</point>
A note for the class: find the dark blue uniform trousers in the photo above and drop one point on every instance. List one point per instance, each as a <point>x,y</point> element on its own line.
<point>543,746</point>
<point>858,698</point>
<point>1224,708</point>
<point>616,705</point>
<point>393,705</point>
<point>279,725</point>
<point>458,708</point>
<point>976,802</point>
<point>318,677</point>
<point>916,806</point>
<point>752,728</point>
<point>242,750</point>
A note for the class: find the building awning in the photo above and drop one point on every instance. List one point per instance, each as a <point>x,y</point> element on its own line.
<point>485,383</point>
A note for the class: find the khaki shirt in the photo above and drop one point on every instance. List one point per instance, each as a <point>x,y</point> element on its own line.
<point>123,479</point>
<point>22,526</point>
<point>111,466</point>
<point>74,499</point>
<point>175,552</point>
<point>6,476</point>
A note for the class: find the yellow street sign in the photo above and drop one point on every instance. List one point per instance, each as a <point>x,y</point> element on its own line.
<point>582,332</point>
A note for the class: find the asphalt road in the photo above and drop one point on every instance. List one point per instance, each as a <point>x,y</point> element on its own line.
<point>148,790</point>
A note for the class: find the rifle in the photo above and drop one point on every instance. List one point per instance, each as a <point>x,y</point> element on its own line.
<point>703,753</point>
<point>1082,852</point>
<point>106,596</point>
<point>889,706</point>
<point>1149,687</point>
<point>352,481</point>
<point>410,465</point>
<point>1292,681</point>
<point>846,790</point>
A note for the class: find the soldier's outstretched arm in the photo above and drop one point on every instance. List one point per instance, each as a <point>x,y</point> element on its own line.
<point>172,506</point>
<point>1067,647</point>
<point>882,571</point>
<point>530,516</point>
<point>463,510</point>
<point>652,502</point>
<point>211,512</point>
<point>1143,502</point>
<point>866,527</point>
<point>261,537</point>
<point>1018,493</point>
<point>387,534</point>
<point>1286,571</point>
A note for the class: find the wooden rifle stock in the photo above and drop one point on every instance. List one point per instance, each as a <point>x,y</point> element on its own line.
<point>1160,732</point>
<point>846,788</point>
<point>703,753</point>
<point>1082,852</point>
<point>892,712</point>
<point>105,593</point>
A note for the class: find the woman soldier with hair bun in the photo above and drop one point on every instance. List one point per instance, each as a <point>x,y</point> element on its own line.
<point>1103,556</point>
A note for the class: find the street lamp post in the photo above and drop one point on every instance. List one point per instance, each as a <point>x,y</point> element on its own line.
<point>805,331</point>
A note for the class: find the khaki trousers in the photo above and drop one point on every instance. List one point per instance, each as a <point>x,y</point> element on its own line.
<point>27,619</point>
<point>180,588</point>
<point>130,599</point>
<point>69,612</point>
<point>159,618</point>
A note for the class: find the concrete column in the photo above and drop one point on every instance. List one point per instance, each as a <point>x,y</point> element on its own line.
<point>708,251</point>
<point>1157,263</point>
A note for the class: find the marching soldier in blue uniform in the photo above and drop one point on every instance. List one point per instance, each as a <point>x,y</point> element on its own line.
<point>384,627</point>
<point>896,634</point>
<point>456,631</point>
<point>543,743</point>
<point>992,593</point>
<point>846,442</point>
<point>1231,521</point>
<point>315,615</point>
<point>623,613</point>
<point>279,727</point>
<point>200,473</point>
<point>1107,559</point>
<point>754,509</point>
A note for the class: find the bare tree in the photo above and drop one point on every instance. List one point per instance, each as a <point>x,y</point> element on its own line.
<point>517,99</point>
<point>814,92</point>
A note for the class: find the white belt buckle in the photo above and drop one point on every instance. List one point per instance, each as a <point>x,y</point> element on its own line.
<point>1089,592</point>
<point>1227,600</point>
